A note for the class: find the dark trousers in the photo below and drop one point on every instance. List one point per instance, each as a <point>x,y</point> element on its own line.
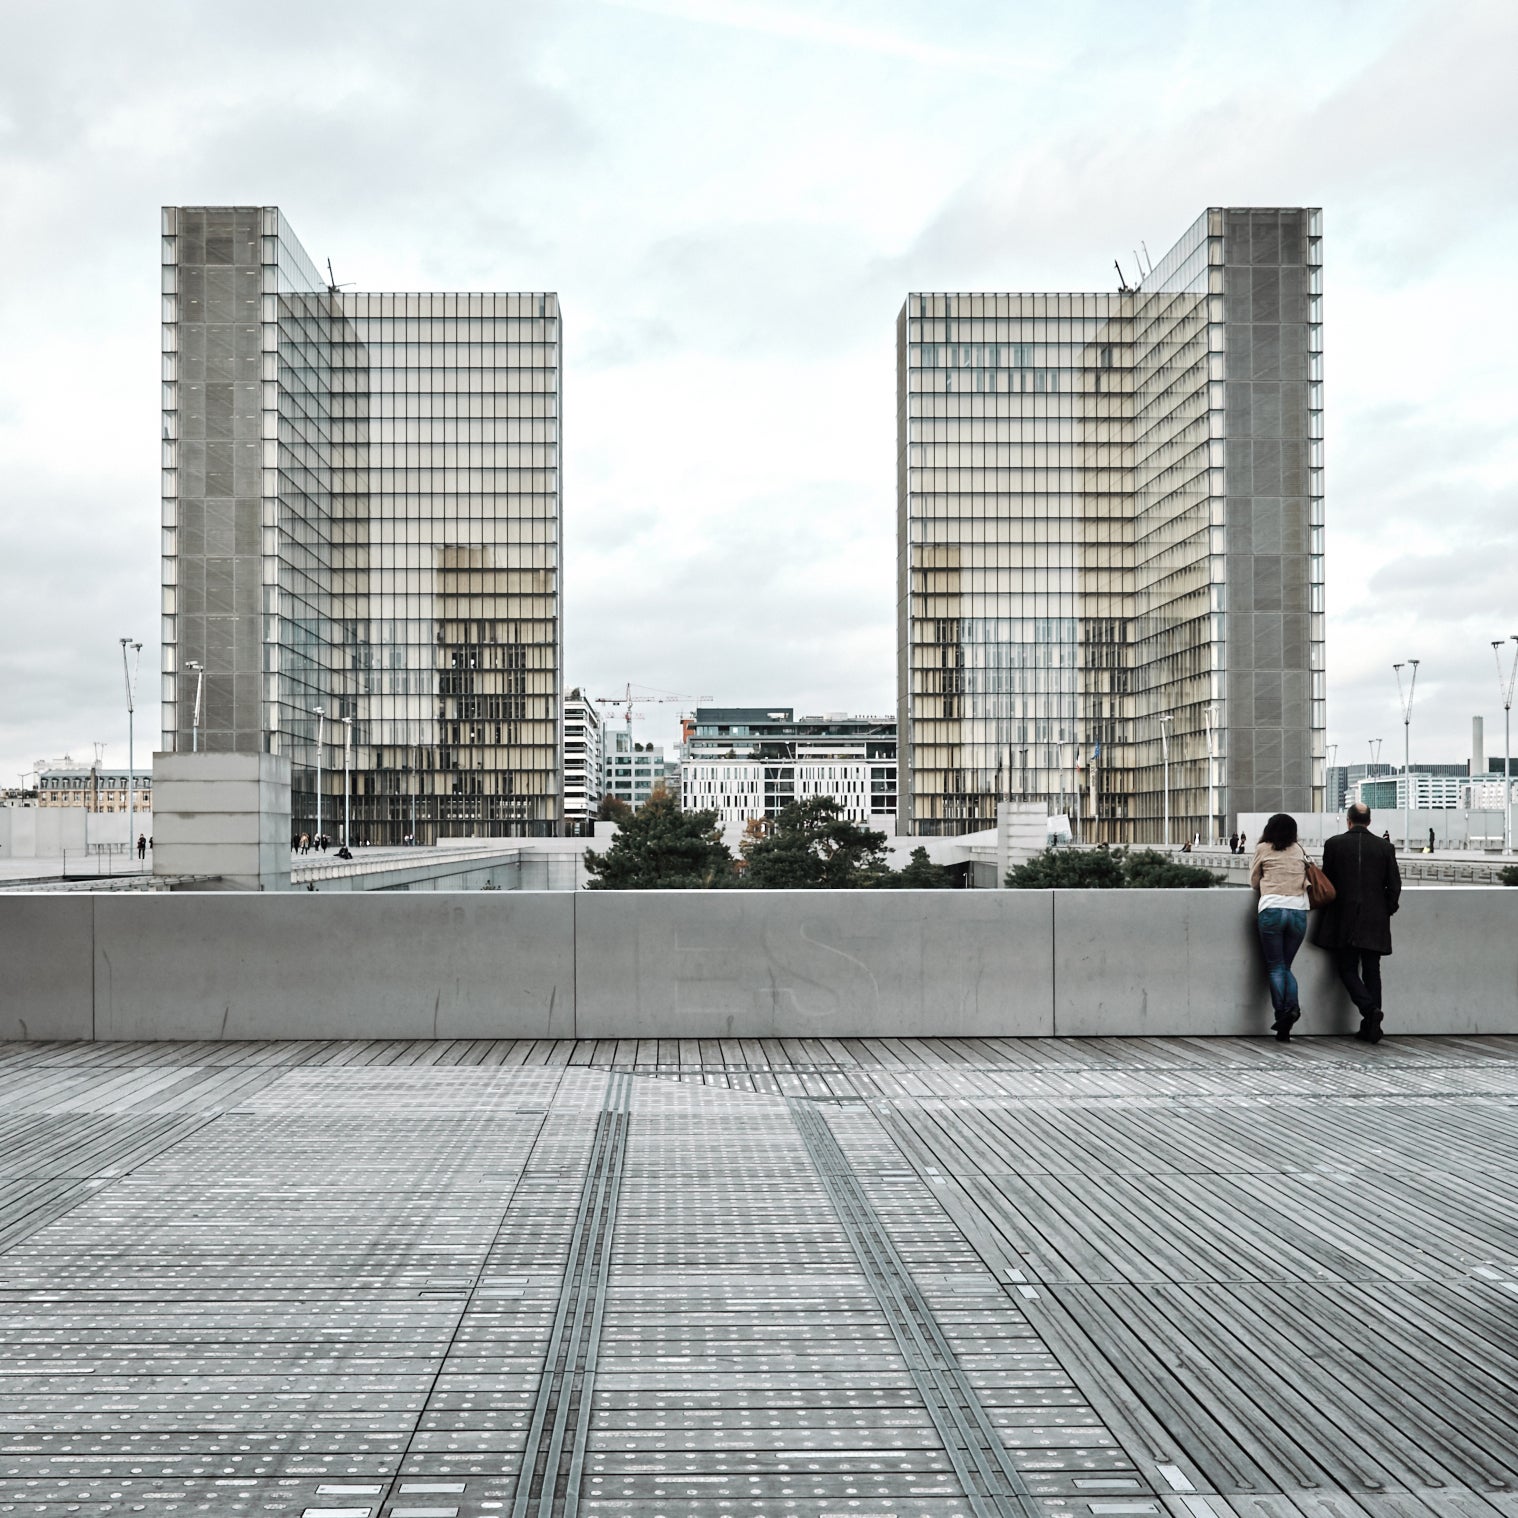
<point>1360,970</point>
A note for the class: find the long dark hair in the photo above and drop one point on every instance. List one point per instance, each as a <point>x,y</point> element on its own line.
<point>1280,832</point>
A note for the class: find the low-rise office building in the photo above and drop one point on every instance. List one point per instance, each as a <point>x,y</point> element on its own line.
<point>746,763</point>
<point>1431,790</point>
<point>632,771</point>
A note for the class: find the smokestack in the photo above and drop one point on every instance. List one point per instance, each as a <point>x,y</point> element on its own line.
<point>1478,746</point>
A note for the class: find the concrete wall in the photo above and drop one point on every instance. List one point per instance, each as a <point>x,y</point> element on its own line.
<point>223,815</point>
<point>710,964</point>
<point>1454,827</point>
<point>29,831</point>
<point>715,964</point>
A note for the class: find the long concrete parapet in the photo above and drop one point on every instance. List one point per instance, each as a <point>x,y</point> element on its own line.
<point>720,964</point>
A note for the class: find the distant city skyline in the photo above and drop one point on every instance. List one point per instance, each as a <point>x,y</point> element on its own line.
<point>732,201</point>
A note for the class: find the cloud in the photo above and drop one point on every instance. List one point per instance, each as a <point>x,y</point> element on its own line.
<point>811,28</point>
<point>733,200</point>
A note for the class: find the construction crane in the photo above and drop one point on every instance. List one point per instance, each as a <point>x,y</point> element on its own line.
<point>627,700</point>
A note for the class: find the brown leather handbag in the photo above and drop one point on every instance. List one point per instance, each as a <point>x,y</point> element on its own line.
<point>1320,889</point>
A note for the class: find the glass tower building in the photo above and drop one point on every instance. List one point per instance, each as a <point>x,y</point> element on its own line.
<point>1110,542</point>
<point>361,534</point>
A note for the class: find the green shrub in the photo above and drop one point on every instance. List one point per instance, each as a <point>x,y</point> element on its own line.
<point>1104,869</point>
<point>1150,870</point>
<point>1070,870</point>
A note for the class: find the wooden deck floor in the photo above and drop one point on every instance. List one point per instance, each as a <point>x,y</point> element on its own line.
<point>1198,1278</point>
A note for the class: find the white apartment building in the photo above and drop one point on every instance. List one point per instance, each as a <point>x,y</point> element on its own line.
<point>748,762</point>
<point>1486,794</point>
<point>584,760</point>
<point>1384,793</point>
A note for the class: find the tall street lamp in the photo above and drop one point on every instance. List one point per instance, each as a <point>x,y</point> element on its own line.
<point>1165,757</point>
<point>320,714</point>
<point>129,669</point>
<point>1506,692</point>
<point>1211,713</point>
<point>347,723</point>
<point>200,680</point>
<point>1406,702</point>
<point>407,770</point>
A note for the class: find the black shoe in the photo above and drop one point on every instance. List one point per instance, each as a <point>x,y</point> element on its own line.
<point>1369,1031</point>
<point>1283,1026</point>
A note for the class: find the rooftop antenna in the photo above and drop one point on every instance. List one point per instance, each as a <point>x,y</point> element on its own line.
<point>332,285</point>
<point>1123,286</point>
<point>1147,259</point>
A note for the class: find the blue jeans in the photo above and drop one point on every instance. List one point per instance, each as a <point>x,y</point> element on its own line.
<point>1281,933</point>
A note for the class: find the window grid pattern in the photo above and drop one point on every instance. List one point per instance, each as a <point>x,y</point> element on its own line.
<point>1071,538</point>
<point>393,541</point>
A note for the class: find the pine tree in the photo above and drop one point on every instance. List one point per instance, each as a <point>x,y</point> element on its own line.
<point>661,848</point>
<point>921,874</point>
<point>812,846</point>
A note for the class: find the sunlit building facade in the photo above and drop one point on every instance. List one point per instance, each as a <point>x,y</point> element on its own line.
<point>361,534</point>
<point>1110,542</point>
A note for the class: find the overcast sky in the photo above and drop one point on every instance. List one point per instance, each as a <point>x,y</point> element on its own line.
<point>732,200</point>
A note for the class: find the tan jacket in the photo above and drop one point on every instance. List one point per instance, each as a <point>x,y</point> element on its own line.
<point>1279,872</point>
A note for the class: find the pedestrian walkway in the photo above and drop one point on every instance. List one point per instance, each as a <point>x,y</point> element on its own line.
<point>1097,1278</point>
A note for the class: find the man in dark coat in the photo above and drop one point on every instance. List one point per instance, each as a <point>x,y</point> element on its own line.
<point>1356,924</point>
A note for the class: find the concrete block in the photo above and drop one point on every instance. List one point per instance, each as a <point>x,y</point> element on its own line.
<point>47,979</point>
<point>196,796</point>
<point>496,965</point>
<point>1175,963</point>
<point>235,828</point>
<point>215,767</point>
<point>812,963</point>
<point>1454,965</point>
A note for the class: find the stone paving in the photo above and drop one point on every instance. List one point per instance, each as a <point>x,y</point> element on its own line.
<point>761,1278</point>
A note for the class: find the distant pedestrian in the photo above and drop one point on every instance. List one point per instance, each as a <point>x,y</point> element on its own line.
<point>1356,925</point>
<point>1387,836</point>
<point>1279,874</point>
<point>142,845</point>
<point>1431,840</point>
<point>1243,843</point>
<point>1233,843</point>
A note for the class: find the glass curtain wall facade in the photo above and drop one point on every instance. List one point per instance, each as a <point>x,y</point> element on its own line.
<point>361,520</point>
<point>1110,539</point>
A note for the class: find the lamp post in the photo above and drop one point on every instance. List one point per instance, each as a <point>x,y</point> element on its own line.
<point>1165,759</point>
<point>1212,802</point>
<point>129,669</point>
<point>347,723</point>
<point>200,678</point>
<point>1506,692</point>
<point>1406,702</point>
<point>320,714</point>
